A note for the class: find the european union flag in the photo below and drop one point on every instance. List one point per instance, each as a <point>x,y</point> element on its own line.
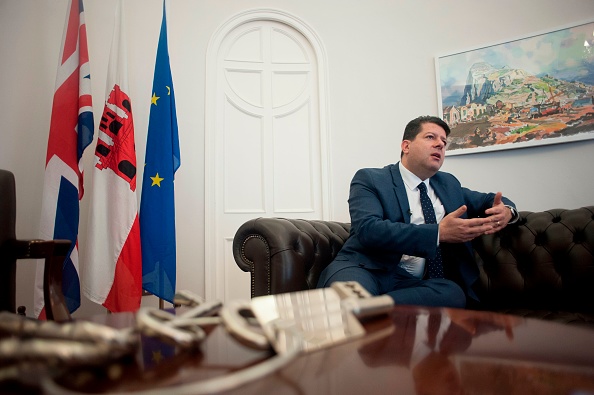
<point>157,206</point>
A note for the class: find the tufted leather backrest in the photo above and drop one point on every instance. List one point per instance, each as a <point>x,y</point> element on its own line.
<point>546,261</point>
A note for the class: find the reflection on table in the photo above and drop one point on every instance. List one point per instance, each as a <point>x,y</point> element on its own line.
<point>412,350</point>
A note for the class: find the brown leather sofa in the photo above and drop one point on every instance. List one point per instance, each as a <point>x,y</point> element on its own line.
<point>541,267</point>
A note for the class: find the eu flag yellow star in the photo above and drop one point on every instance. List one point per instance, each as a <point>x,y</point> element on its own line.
<point>156,180</point>
<point>154,98</point>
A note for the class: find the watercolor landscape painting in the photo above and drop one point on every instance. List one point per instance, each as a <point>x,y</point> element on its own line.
<point>531,91</point>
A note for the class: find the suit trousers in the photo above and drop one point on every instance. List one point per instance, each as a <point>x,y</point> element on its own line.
<point>403,287</point>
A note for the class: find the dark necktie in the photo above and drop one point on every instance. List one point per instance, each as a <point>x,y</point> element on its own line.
<point>434,265</point>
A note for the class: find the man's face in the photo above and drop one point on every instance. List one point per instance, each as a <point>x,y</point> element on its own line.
<point>424,155</point>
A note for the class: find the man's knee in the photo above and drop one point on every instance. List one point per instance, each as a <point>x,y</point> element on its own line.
<point>362,276</point>
<point>455,295</point>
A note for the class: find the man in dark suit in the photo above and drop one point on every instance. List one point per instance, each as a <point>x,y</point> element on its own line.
<point>391,245</point>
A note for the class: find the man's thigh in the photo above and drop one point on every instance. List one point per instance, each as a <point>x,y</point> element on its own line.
<point>433,292</point>
<point>403,287</point>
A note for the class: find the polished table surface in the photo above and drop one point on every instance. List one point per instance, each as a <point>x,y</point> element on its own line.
<point>473,353</point>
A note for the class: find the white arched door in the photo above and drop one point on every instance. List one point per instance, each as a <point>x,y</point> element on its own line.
<point>264,146</point>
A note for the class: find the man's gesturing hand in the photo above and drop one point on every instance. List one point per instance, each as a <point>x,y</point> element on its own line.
<point>499,214</point>
<point>453,229</point>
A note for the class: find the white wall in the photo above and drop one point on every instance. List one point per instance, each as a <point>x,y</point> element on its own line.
<point>381,74</point>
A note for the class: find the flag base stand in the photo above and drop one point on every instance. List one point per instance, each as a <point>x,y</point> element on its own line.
<point>161,301</point>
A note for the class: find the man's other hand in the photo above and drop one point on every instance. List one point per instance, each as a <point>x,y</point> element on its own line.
<point>453,229</point>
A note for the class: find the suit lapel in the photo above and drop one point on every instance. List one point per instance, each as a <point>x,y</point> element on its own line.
<point>400,192</point>
<point>441,190</point>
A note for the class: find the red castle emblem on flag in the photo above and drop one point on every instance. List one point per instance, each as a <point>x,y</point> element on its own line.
<point>115,146</point>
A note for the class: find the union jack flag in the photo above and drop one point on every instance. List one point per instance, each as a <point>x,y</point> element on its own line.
<point>71,131</point>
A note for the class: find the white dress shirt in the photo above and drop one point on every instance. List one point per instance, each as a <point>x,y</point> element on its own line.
<point>413,264</point>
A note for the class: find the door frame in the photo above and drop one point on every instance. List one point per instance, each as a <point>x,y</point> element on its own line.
<point>211,267</point>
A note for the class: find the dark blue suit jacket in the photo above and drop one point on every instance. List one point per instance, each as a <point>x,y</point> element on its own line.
<point>381,231</point>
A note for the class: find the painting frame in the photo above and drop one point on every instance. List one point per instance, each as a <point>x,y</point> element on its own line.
<point>529,91</point>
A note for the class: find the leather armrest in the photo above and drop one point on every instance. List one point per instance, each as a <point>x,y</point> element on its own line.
<point>286,255</point>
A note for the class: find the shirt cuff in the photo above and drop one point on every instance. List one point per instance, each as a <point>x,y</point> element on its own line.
<point>515,215</point>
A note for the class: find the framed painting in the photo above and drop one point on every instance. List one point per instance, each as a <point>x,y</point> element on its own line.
<point>530,91</point>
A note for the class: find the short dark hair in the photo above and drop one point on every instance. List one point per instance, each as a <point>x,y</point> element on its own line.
<point>414,127</point>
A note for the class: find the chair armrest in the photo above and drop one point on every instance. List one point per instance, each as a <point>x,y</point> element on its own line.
<point>54,252</point>
<point>36,249</point>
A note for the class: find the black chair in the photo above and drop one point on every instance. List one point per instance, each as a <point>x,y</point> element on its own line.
<point>53,251</point>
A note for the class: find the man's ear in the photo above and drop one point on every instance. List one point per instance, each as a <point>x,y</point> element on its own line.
<point>404,146</point>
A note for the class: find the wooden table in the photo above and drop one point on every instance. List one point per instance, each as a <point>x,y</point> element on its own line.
<point>478,352</point>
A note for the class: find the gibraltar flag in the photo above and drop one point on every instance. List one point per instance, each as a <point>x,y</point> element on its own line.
<point>112,268</point>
